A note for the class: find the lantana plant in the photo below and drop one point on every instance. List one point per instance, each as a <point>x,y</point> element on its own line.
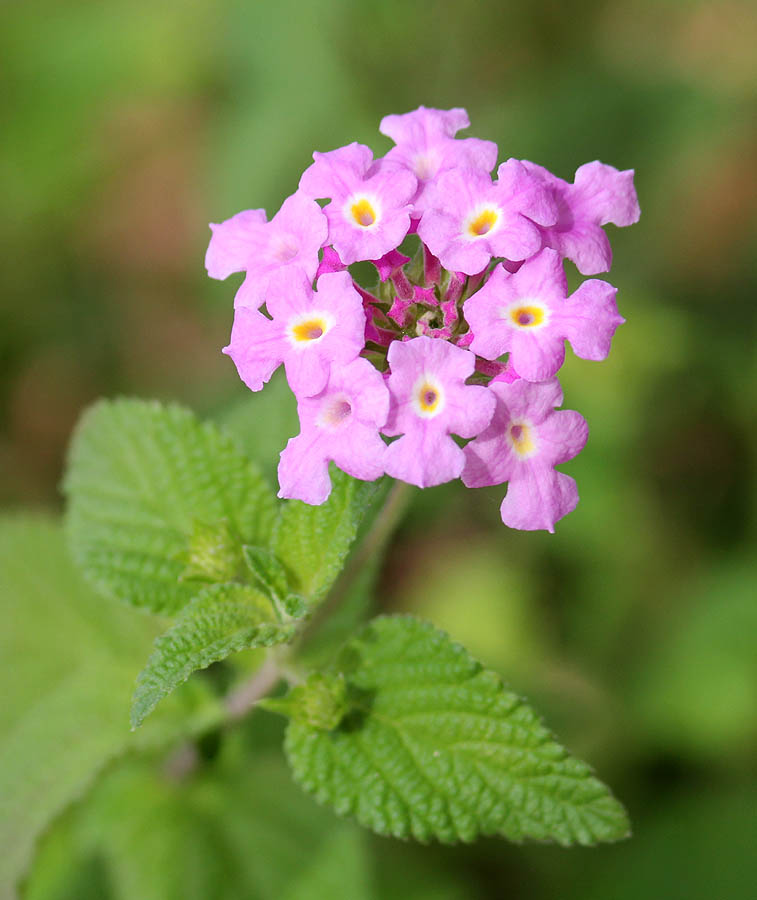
<point>444,368</point>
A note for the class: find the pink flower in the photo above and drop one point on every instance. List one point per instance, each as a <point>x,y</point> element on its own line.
<point>308,332</point>
<point>339,424</point>
<point>525,440</point>
<point>469,219</point>
<point>529,315</point>
<point>429,402</point>
<point>599,195</point>
<point>369,213</point>
<point>426,146</point>
<point>247,243</point>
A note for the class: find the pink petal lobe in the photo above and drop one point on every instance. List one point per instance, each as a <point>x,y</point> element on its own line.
<point>538,498</point>
<point>253,347</point>
<point>589,319</point>
<point>232,241</point>
<point>303,472</point>
<point>424,458</point>
<point>604,195</point>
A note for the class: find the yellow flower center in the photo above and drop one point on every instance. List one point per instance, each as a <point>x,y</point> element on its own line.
<point>309,330</point>
<point>521,439</point>
<point>527,316</point>
<point>483,223</point>
<point>427,397</point>
<point>363,213</point>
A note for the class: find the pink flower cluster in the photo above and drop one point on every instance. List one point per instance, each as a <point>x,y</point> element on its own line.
<point>462,339</point>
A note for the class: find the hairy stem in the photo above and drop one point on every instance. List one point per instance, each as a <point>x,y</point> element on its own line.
<point>243,698</point>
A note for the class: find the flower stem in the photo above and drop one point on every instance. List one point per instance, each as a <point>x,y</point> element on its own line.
<point>244,697</point>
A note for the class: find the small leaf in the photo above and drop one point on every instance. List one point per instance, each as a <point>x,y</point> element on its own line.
<point>438,748</point>
<point>140,478</point>
<point>268,571</point>
<point>221,620</point>
<point>313,541</point>
<point>271,577</point>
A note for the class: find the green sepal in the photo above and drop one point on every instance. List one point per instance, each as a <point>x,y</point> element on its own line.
<point>321,702</point>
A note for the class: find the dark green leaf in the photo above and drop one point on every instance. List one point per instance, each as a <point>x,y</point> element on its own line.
<point>436,747</point>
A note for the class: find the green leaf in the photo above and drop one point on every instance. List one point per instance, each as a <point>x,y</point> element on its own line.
<point>223,619</point>
<point>436,747</point>
<point>313,541</point>
<point>68,660</point>
<point>140,478</point>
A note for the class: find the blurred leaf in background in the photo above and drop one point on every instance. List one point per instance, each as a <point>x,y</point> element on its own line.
<point>68,660</point>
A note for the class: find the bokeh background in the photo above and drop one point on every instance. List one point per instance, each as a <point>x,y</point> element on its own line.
<point>129,125</point>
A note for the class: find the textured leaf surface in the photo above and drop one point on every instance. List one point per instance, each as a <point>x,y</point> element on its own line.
<point>223,619</point>
<point>68,660</point>
<point>313,541</point>
<point>140,478</point>
<point>436,747</point>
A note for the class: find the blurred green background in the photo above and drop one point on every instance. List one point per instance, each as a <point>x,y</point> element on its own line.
<point>128,126</point>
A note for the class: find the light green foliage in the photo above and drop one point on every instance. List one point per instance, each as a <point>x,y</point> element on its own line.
<point>236,830</point>
<point>68,659</point>
<point>697,689</point>
<point>213,553</point>
<point>321,702</point>
<point>435,747</point>
<point>231,829</point>
<point>140,477</point>
<point>313,541</point>
<point>222,619</point>
<point>263,421</point>
<point>359,590</point>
